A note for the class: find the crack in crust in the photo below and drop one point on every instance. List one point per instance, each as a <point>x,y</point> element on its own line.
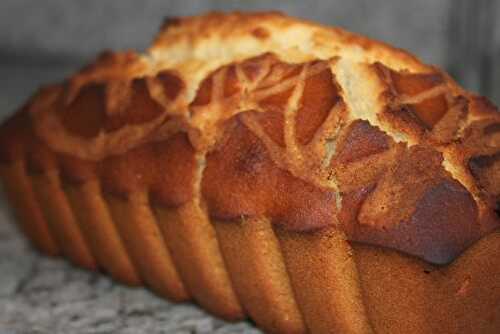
<point>267,126</point>
<point>423,105</point>
<point>96,114</point>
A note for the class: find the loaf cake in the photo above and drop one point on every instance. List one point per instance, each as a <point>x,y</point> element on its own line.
<point>267,167</point>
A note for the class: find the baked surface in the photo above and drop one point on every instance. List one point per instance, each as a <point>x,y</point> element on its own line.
<point>266,166</point>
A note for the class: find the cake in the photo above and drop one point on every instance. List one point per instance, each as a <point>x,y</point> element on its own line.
<point>263,166</point>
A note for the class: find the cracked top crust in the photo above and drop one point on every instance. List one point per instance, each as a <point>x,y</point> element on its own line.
<point>265,115</point>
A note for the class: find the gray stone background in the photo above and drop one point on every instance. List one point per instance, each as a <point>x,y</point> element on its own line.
<point>43,41</point>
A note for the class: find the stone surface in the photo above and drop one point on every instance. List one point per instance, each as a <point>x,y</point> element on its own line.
<point>40,295</point>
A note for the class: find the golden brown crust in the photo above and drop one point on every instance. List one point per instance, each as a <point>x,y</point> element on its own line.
<point>247,146</point>
<point>281,134</point>
<point>428,205</point>
<point>164,169</point>
<point>240,179</point>
<point>21,197</point>
<point>405,295</point>
<point>424,105</point>
<point>16,134</point>
<point>251,34</point>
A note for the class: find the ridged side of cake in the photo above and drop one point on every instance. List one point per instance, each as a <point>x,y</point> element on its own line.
<point>311,179</point>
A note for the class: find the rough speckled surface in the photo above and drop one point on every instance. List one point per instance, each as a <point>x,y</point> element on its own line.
<point>40,295</point>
